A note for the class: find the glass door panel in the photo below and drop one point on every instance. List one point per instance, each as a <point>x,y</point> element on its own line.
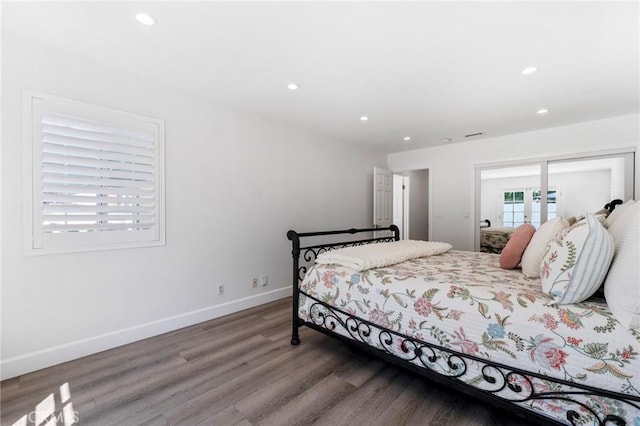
<point>506,197</point>
<point>506,194</point>
<point>586,185</point>
<point>506,202</point>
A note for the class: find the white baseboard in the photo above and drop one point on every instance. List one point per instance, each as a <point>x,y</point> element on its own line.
<point>37,360</point>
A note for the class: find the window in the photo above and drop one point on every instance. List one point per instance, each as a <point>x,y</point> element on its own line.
<point>523,205</point>
<point>95,177</point>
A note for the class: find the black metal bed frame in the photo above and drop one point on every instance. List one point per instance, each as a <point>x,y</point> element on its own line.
<point>422,357</point>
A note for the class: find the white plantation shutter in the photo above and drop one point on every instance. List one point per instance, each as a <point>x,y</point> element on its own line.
<point>97,177</point>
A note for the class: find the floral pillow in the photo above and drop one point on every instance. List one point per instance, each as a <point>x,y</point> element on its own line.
<point>576,261</point>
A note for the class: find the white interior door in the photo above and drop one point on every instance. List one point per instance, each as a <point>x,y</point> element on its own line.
<point>382,198</point>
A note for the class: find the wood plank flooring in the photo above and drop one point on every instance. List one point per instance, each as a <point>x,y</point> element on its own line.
<point>241,370</point>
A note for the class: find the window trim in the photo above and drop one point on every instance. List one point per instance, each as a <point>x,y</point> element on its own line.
<point>32,151</point>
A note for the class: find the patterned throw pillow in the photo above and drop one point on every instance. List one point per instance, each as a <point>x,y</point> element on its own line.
<point>576,261</point>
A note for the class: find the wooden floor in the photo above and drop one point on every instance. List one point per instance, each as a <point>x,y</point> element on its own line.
<point>241,369</point>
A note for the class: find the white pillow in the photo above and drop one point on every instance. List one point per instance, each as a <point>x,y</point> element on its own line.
<point>576,261</point>
<point>618,211</point>
<point>618,227</point>
<point>622,285</point>
<point>534,252</point>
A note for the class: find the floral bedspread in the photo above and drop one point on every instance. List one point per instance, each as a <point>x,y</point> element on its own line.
<point>464,301</point>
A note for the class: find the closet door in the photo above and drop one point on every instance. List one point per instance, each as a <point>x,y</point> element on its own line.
<point>512,194</point>
<point>506,195</point>
<point>585,185</point>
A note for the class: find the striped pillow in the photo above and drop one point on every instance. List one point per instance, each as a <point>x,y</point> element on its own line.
<point>576,261</point>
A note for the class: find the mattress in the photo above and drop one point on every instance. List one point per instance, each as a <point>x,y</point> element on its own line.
<point>464,302</point>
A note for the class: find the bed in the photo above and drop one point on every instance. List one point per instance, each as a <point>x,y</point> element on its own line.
<point>494,238</point>
<point>463,322</point>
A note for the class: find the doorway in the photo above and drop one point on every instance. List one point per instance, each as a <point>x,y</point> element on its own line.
<point>411,204</point>
<point>401,204</point>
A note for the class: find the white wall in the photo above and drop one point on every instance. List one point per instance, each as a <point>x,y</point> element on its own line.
<point>235,184</point>
<point>452,166</point>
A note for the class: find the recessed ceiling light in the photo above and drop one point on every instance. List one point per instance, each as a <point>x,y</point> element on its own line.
<point>542,111</point>
<point>364,118</point>
<point>406,138</point>
<point>293,86</point>
<point>145,19</point>
<point>529,70</point>
<point>446,140</point>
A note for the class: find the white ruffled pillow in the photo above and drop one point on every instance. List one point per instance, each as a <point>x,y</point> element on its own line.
<point>576,261</point>
<point>622,285</point>
<point>536,249</point>
<point>618,212</point>
<point>368,256</point>
<point>618,224</point>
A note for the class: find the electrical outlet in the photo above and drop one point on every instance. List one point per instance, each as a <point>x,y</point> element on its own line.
<point>220,289</point>
<point>254,282</point>
<point>264,280</point>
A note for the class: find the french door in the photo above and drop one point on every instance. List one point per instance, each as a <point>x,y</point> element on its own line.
<point>524,205</point>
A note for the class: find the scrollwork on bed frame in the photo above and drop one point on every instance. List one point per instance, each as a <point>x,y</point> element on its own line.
<point>509,384</point>
<point>311,252</point>
<point>509,387</point>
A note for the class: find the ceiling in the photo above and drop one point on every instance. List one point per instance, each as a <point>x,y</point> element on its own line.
<point>427,70</point>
